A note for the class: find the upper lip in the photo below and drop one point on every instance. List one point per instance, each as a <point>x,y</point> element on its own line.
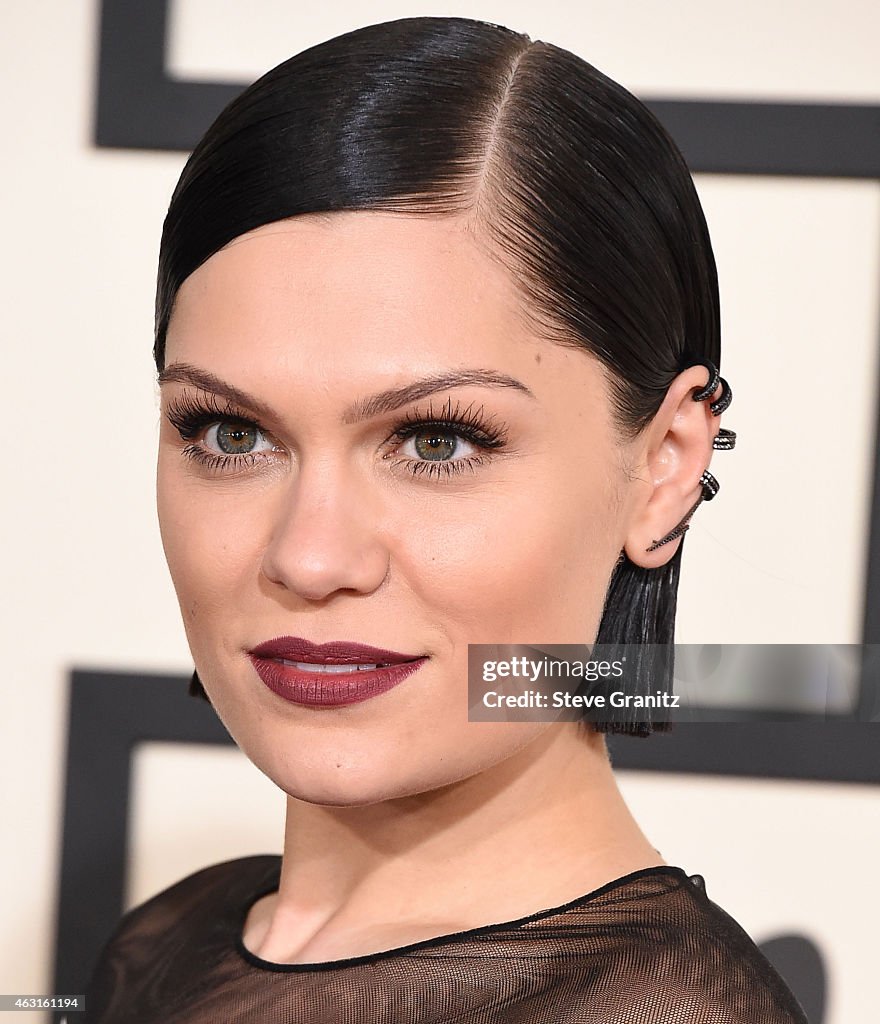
<point>335,652</point>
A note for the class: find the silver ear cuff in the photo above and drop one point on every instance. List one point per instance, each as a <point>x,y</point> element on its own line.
<point>724,440</point>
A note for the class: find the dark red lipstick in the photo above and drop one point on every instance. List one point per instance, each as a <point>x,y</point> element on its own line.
<point>348,672</point>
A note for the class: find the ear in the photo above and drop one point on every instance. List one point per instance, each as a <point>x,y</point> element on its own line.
<point>677,448</point>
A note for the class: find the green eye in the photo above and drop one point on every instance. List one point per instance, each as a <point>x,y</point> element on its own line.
<point>435,445</point>
<point>236,438</point>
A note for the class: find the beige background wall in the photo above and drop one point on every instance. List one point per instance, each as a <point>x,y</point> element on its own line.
<point>85,580</point>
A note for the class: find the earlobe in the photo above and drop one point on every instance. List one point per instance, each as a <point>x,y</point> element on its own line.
<point>709,488</point>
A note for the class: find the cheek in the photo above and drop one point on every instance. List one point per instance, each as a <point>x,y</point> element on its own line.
<point>209,545</point>
<point>524,564</point>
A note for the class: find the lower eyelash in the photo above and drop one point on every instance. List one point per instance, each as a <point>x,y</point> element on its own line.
<point>446,467</point>
<point>219,463</point>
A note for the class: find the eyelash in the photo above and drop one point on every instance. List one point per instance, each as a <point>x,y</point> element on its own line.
<point>190,416</point>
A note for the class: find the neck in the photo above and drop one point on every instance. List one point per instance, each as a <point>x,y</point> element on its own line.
<point>541,828</point>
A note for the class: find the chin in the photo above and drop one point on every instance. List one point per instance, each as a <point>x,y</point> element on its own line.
<point>335,782</point>
<point>334,787</point>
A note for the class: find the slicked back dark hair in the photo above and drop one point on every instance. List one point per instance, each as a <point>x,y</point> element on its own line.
<point>570,182</point>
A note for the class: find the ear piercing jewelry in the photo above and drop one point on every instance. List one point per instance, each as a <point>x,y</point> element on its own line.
<point>724,440</point>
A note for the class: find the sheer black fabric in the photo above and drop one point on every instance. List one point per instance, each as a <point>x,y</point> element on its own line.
<point>649,948</point>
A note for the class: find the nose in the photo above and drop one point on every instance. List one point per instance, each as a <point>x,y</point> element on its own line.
<point>326,536</point>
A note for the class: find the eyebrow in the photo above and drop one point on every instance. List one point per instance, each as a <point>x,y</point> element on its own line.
<point>375,405</point>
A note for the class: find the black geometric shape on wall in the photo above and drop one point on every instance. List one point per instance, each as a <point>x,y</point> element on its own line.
<point>139,106</point>
<point>800,962</point>
<point>110,713</point>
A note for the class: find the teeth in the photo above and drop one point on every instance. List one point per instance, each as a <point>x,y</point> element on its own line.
<point>307,666</point>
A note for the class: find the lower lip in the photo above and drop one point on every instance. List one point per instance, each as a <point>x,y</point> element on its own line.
<point>330,690</point>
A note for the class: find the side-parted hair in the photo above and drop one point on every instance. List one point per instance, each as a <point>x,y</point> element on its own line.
<point>571,183</point>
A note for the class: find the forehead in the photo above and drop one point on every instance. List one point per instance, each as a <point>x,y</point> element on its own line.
<point>355,274</point>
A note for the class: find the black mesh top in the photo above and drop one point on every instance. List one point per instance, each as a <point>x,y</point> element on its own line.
<point>649,948</point>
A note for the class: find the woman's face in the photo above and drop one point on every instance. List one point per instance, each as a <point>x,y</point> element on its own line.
<point>316,506</point>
